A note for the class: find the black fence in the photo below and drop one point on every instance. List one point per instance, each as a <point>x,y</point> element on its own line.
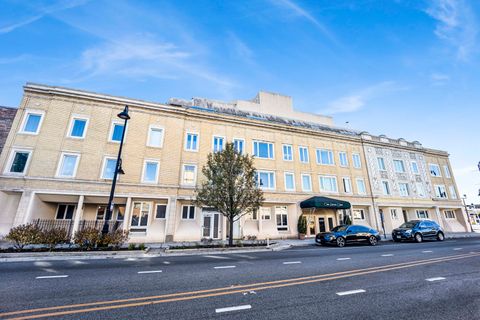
<point>48,224</point>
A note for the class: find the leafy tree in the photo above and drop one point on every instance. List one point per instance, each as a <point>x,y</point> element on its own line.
<point>230,186</point>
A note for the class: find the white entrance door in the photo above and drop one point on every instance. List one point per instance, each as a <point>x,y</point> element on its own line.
<point>211,224</point>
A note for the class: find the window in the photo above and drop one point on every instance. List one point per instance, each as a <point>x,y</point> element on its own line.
<point>435,170</point>
<point>116,132</point>
<point>191,142</point>
<point>161,211</point>
<point>449,214</point>
<point>453,193</point>
<point>140,213</point>
<point>65,211</point>
<point>287,152</point>
<point>381,164</point>
<point>422,214</point>
<point>357,163</point>
<point>447,171</point>
<point>150,171</point>
<point>415,167</point>
<point>359,214</point>
<point>394,214</point>
<point>120,213</point>
<point>281,215</point>
<point>155,137</point>
<point>404,191</point>
<point>188,212</point>
<point>361,186</point>
<point>343,159</point>
<point>399,166</point>
<point>18,162</point>
<point>420,189</point>
<point>325,157</point>
<point>328,184</point>
<point>239,145</point>
<point>386,188</point>
<point>263,150</point>
<point>101,211</point>
<point>78,127</point>
<point>440,191</point>
<point>68,164</point>
<point>109,166</point>
<point>265,213</point>
<point>218,144</point>
<point>289,181</point>
<point>347,185</point>
<point>306,182</point>
<point>303,154</point>
<point>189,176</point>
<point>32,122</point>
<point>266,179</point>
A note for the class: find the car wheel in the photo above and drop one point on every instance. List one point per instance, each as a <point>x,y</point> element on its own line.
<point>440,236</point>
<point>418,238</point>
<point>373,241</point>
<point>340,242</point>
<point>395,239</point>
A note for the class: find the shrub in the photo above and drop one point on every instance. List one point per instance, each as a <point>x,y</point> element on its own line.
<point>131,246</point>
<point>53,237</point>
<point>23,235</point>
<point>141,246</point>
<point>302,225</point>
<point>115,238</point>
<point>88,238</point>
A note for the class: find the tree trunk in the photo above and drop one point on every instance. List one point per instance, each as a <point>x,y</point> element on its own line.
<point>230,236</point>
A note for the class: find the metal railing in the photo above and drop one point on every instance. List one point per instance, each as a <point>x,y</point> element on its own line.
<point>67,225</point>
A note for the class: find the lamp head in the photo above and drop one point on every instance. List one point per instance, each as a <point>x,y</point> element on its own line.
<point>124,114</point>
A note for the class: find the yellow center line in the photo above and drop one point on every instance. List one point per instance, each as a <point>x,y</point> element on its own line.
<point>226,290</point>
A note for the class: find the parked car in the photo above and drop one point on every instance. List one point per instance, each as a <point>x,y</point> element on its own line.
<point>418,230</point>
<point>343,234</point>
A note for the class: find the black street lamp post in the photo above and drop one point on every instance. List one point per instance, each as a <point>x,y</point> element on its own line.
<point>118,170</point>
<point>466,211</point>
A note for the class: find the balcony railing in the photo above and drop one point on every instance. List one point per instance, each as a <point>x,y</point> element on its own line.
<point>48,224</point>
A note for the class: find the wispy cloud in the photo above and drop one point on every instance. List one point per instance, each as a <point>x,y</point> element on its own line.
<point>439,79</point>
<point>357,100</point>
<point>456,25</point>
<point>16,59</point>
<point>240,48</point>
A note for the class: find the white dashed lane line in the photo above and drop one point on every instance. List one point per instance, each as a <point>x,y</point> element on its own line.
<point>387,255</point>
<point>341,259</point>
<point>52,277</point>
<point>345,293</point>
<point>236,308</point>
<point>292,262</point>
<point>149,271</point>
<point>217,257</point>
<point>435,279</point>
<point>457,249</point>
<point>224,267</point>
<point>427,251</point>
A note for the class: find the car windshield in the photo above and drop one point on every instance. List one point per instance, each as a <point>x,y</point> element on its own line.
<point>339,228</point>
<point>409,224</point>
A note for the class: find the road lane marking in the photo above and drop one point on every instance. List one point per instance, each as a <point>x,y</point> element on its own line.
<point>427,251</point>
<point>52,277</point>
<point>217,257</point>
<point>292,262</point>
<point>345,293</point>
<point>435,279</point>
<point>341,259</point>
<point>184,296</point>
<point>387,255</point>
<point>150,271</point>
<point>224,267</point>
<point>455,249</point>
<point>166,262</point>
<point>228,309</point>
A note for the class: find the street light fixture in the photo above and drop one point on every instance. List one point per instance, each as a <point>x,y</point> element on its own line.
<point>466,211</point>
<point>118,170</point>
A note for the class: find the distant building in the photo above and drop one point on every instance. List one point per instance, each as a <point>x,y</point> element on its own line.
<point>7,115</point>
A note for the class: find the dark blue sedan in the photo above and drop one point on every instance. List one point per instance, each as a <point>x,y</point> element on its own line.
<point>341,235</point>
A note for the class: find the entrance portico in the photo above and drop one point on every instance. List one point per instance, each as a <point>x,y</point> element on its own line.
<point>323,213</point>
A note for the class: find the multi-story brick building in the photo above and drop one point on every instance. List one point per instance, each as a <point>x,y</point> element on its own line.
<point>6,118</point>
<point>59,158</point>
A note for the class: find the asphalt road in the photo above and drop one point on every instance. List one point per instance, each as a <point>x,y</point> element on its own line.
<point>430,280</point>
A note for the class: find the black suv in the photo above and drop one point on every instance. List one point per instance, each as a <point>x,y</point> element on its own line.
<point>418,230</point>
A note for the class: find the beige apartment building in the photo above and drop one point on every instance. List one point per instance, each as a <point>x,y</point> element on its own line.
<point>58,160</point>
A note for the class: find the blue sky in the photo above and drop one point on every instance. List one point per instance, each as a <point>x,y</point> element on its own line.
<point>406,69</point>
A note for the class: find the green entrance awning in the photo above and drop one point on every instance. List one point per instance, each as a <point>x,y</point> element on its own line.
<point>324,203</point>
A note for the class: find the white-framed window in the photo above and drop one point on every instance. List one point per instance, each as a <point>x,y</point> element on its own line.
<point>287,152</point>
<point>422,214</point>
<point>140,214</point>
<point>191,141</point>
<point>435,170</point>
<point>18,161</point>
<point>453,193</point>
<point>449,214</point>
<point>160,211</point>
<point>381,164</point>
<point>150,171</point>
<point>415,167</point>
<point>420,189</point>
<point>65,211</point>
<point>447,171</point>
<point>347,185</point>
<point>118,212</point>
<point>155,136</point>
<point>78,127</point>
<point>328,183</point>
<point>343,159</point>
<point>306,183</point>
<point>361,188</point>
<point>386,188</point>
<point>281,215</point>
<point>32,121</point>
<point>289,181</point>
<point>357,163</point>
<point>116,131</point>
<point>68,164</point>
<point>266,180</point>
<point>263,150</point>
<point>325,157</point>
<point>188,212</point>
<point>358,214</point>
<point>239,145</point>
<point>303,154</point>
<point>399,166</point>
<point>101,212</point>
<point>265,213</point>
<point>218,143</point>
<point>404,189</point>
<point>440,191</point>
<point>394,214</point>
<point>189,174</point>
<point>109,167</point>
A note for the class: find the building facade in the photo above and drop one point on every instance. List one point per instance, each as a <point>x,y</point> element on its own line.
<point>59,157</point>
<point>6,118</point>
